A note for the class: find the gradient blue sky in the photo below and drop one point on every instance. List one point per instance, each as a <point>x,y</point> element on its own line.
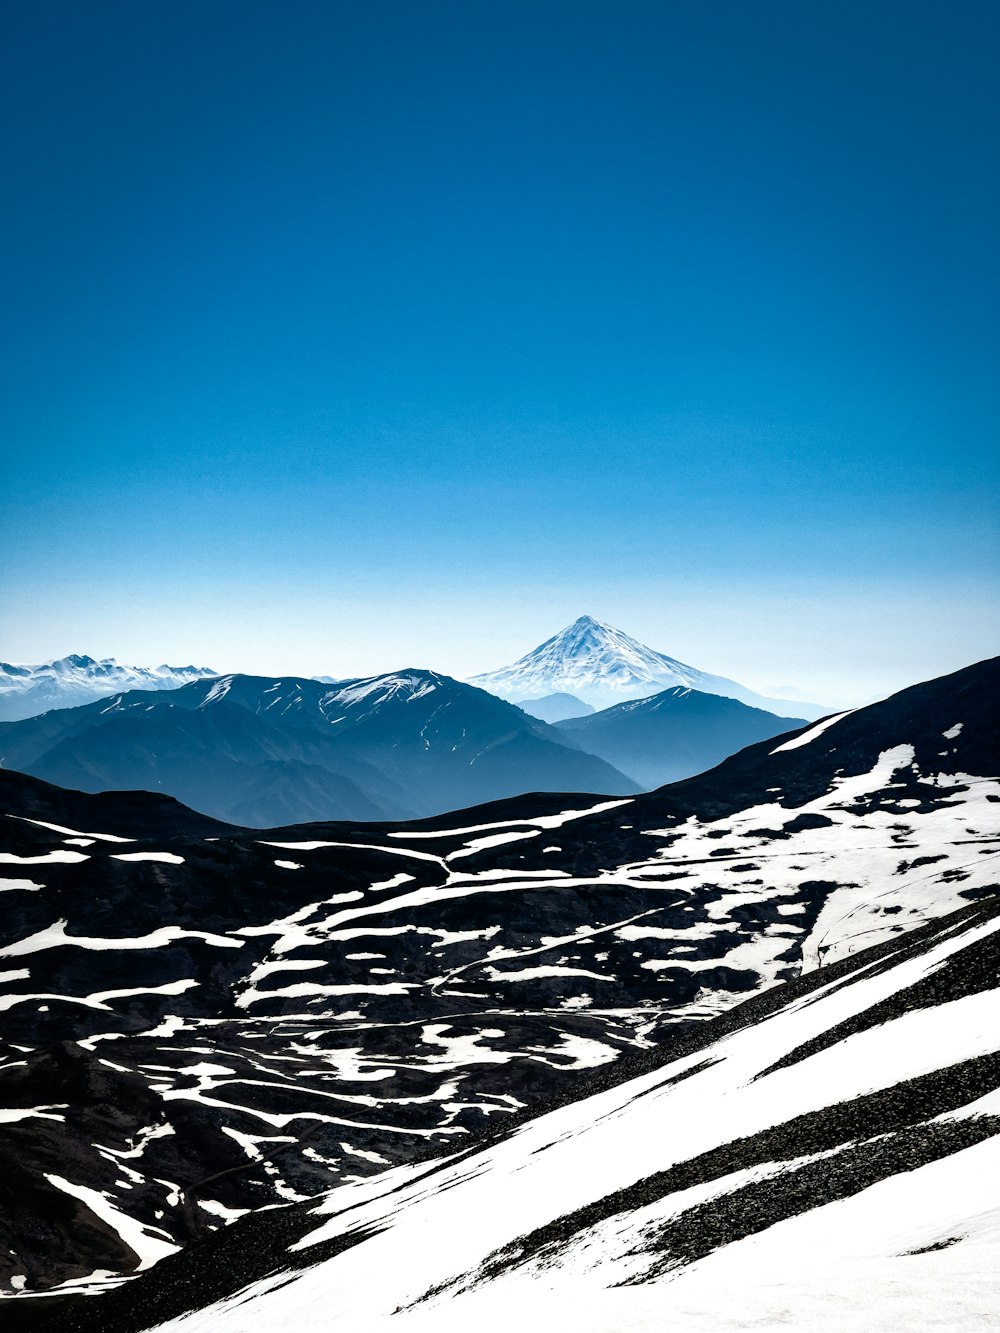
<point>343,336</point>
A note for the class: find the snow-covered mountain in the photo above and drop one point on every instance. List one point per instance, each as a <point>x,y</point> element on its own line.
<point>199,1020</point>
<point>823,1159</point>
<point>26,691</point>
<point>604,666</point>
<point>263,752</point>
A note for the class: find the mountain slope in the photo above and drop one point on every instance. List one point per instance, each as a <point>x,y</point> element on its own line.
<point>71,681</point>
<point>555,707</point>
<point>258,751</point>
<point>604,666</point>
<point>240,1018</point>
<point>673,734</point>
<point>822,1157</point>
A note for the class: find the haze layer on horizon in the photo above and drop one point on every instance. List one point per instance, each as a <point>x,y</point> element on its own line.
<point>348,337</point>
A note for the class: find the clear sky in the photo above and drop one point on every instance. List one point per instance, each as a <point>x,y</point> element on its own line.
<point>347,335</point>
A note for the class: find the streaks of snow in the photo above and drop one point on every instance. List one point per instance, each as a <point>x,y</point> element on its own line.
<point>612,1139</point>
<point>394,883</point>
<point>361,846</point>
<point>16,974</point>
<point>55,936</point>
<point>491,840</point>
<point>218,691</point>
<point>449,937</point>
<point>284,865</point>
<point>169,988</point>
<point>535,973</point>
<point>45,858</point>
<point>10,1117</point>
<point>27,885</point>
<point>298,930</point>
<point>698,930</point>
<point>171,1025</point>
<point>810,735</point>
<point>280,1120</point>
<point>535,821</point>
<point>262,970</point>
<point>141,1139</point>
<point>168,858</point>
<point>388,686</point>
<point>364,1155</point>
<point>76,833</point>
<point>220,1210</point>
<point>953,732</point>
<point>484,875</point>
<point>567,816</point>
<point>313,988</point>
<point>147,1248</point>
<point>350,1064</point>
<point>99,999</point>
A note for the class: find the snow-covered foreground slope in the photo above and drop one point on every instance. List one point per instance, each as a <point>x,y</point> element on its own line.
<point>201,1020</point>
<point>26,691</point>
<point>604,666</point>
<point>841,1130</point>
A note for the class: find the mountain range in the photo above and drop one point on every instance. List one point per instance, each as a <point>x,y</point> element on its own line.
<point>262,752</point>
<point>535,1050</point>
<point>265,751</point>
<point>26,691</point>
<point>587,665</point>
<point>604,666</point>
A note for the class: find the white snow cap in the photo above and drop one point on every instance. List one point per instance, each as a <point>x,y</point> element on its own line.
<point>605,666</point>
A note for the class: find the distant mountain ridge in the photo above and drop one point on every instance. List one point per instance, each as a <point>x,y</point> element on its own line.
<point>261,752</point>
<point>555,707</point>
<point>674,734</point>
<point>605,666</point>
<point>26,691</point>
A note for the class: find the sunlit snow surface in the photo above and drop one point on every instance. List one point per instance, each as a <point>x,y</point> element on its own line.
<point>28,690</point>
<point>455,1247</point>
<point>602,665</point>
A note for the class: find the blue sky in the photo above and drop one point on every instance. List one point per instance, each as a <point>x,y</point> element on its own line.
<point>348,336</point>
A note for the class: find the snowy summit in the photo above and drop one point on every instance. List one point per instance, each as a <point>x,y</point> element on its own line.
<point>604,666</point>
<point>26,691</point>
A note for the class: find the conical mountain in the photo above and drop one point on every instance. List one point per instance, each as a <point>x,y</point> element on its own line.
<point>605,666</point>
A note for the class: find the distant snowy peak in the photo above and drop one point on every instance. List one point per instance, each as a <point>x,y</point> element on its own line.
<point>605,666</point>
<point>67,682</point>
<point>328,700</point>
